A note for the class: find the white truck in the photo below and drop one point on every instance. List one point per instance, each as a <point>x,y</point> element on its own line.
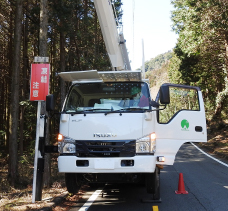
<point>111,131</point>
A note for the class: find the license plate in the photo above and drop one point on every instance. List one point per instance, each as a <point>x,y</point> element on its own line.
<point>104,164</point>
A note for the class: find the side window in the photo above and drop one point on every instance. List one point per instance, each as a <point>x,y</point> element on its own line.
<point>180,99</point>
<point>74,101</point>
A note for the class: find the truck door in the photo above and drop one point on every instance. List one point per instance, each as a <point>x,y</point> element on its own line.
<point>183,120</point>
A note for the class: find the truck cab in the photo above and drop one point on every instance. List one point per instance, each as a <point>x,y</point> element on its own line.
<point>112,131</point>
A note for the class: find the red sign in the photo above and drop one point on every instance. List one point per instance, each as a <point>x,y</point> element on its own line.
<point>39,85</point>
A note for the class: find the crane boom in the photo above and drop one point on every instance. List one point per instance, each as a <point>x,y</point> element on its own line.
<point>114,41</point>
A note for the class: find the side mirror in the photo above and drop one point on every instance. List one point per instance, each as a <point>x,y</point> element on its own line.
<point>50,105</point>
<point>164,94</point>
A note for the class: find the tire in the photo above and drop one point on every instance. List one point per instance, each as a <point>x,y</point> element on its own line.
<point>142,180</point>
<point>73,182</point>
<point>153,184</point>
<point>94,185</point>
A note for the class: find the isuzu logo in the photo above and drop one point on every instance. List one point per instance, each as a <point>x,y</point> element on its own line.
<point>104,135</point>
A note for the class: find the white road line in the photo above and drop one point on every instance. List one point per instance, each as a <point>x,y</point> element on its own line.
<point>90,200</point>
<point>93,197</point>
<point>210,155</point>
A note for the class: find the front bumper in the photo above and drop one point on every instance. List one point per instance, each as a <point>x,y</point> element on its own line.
<point>137,164</point>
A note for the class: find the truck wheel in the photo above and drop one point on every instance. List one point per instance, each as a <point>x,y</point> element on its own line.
<point>73,182</point>
<point>153,183</point>
<point>94,185</point>
<point>142,180</point>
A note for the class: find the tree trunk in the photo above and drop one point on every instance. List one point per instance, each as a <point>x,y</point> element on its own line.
<point>14,108</point>
<point>226,45</point>
<point>96,38</point>
<point>71,52</point>
<point>221,97</point>
<point>62,66</point>
<point>21,130</point>
<point>2,106</point>
<point>43,28</point>
<point>8,82</point>
<point>43,53</point>
<point>24,87</point>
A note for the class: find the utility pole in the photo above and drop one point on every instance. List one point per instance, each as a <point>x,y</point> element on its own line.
<point>43,53</point>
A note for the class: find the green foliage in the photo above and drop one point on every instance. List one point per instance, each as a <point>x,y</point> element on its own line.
<point>157,71</point>
<point>158,76</point>
<point>119,11</point>
<point>201,54</point>
<point>72,25</point>
<point>158,61</point>
<point>174,75</point>
<point>180,99</point>
<point>84,44</point>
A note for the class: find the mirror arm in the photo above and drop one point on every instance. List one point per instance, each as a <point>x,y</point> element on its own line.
<point>160,109</point>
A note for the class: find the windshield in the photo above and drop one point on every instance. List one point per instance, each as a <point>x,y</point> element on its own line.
<point>108,97</point>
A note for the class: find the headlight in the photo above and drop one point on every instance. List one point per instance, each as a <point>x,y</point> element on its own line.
<point>146,144</point>
<point>69,148</point>
<point>66,144</point>
<point>142,147</point>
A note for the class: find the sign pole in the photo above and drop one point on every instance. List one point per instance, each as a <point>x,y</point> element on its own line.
<point>39,89</point>
<point>36,152</point>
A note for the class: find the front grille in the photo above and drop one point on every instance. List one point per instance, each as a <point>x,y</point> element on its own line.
<point>105,148</point>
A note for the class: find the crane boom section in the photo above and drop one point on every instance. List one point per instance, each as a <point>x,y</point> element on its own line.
<point>115,47</point>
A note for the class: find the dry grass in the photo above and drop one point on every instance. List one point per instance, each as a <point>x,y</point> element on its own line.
<point>217,139</point>
<point>20,198</point>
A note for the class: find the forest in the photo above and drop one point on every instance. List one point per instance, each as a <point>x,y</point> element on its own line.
<point>200,57</point>
<point>68,32</point>
<point>201,53</point>
<point>158,61</point>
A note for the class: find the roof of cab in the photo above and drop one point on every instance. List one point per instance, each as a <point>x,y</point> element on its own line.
<point>102,76</point>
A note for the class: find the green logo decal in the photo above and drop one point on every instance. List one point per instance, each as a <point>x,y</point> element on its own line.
<point>185,124</point>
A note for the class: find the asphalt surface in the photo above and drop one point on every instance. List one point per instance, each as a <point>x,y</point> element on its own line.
<point>205,179</point>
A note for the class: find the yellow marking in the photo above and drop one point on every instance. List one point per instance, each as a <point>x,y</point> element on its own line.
<point>155,208</point>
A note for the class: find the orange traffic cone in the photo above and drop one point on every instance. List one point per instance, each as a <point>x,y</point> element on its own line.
<point>181,188</point>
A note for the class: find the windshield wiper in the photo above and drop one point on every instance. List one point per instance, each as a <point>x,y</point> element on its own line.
<point>73,112</point>
<point>85,111</point>
<point>126,109</point>
<point>98,109</point>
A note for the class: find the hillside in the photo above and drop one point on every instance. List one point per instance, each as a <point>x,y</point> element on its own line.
<point>158,61</point>
<point>156,71</point>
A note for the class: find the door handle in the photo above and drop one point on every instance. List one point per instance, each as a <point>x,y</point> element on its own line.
<point>198,129</point>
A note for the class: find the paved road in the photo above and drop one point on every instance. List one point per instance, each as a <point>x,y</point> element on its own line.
<point>205,180</point>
